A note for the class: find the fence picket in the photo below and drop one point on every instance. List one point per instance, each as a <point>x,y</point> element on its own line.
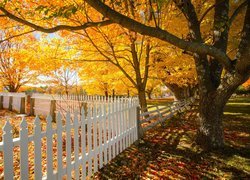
<point>113,129</point>
<point>76,145</point>
<point>130,123</point>
<point>83,144</point>
<point>105,133</point>
<point>136,120</point>
<point>59,146</point>
<point>24,149</point>
<point>68,146</point>
<point>117,126</point>
<point>100,128</point>
<point>38,146</point>
<point>120,123</point>
<point>109,130</point>
<point>127,124</point>
<point>123,126</point>
<point>89,143</point>
<point>49,146</point>
<point>95,137</point>
<point>8,151</point>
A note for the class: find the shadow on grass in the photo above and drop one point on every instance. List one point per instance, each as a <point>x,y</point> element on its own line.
<point>240,99</point>
<point>238,107</point>
<point>171,153</point>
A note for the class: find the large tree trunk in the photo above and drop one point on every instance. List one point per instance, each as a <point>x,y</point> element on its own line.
<point>211,107</point>
<point>212,104</point>
<point>210,133</point>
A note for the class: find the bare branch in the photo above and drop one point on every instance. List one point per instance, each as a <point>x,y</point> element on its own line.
<point>14,36</point>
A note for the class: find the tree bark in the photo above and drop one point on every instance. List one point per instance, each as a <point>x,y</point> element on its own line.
<point>142,100</point>
<point>210,133</point>
<point>181,92</point>
<point>211,107</point>
<point>149,93</point>
<point>12,88</point>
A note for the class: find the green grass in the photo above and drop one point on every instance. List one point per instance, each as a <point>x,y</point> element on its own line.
<point>240,107</point>
<point>162,102</point>
<point>240,99</point>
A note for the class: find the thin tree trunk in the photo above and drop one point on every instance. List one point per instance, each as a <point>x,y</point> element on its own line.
<point>180,92</point>
<point>149,92</point>
<point>142,100</point>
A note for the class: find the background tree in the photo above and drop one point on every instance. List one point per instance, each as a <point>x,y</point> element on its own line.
<point>103,78</point>
<point>176,71</point>
<point>131,55</point>
<point>17,68</point>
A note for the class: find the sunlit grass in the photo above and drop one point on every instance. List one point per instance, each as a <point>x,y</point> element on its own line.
<point>238,107</point>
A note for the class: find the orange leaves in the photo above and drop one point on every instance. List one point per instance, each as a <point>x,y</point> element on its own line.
<point>174,67</point>
<point>246,84</point>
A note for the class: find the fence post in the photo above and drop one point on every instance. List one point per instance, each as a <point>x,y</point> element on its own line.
<point>53,110</point>
<point>22,107</point>
<point>171,110</point>
<point>1,102</point>
<point>158,110</point>
<point>32,106</point>
<point>139,128</point>
<point>84,105</point>
<point>10,102</point>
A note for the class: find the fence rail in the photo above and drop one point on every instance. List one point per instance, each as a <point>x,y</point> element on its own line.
<point>81,145</point>
<point>44,104</point>
<point>158,114</point>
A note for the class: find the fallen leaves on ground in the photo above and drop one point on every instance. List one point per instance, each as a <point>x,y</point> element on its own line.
<point>171,153</point>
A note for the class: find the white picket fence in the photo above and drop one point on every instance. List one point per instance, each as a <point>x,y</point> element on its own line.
<point>158,114</point>
<point>81,145</point>
<point>71,103</point>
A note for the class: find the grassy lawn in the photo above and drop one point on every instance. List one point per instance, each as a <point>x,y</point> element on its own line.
<point>171,153</point>
<point>163,102</point>
<point>239,107</point>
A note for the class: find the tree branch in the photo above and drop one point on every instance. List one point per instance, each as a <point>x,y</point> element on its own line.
<point>85,60</point>
<point>236,12</point>
<point>56,28</point>
<point>145,78</point>
<point>243,61</point>
<point>199,48</point>
<point>208,10</point>
<point>14,36</point>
